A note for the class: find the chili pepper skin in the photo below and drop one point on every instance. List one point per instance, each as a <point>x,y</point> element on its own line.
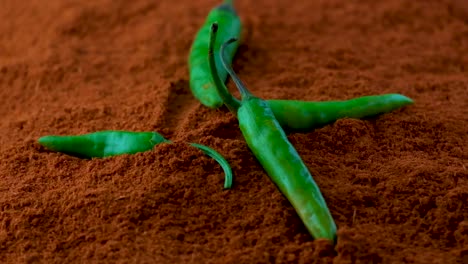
<point>303,116</point>
<point>113,142</point>
<point>201,81</point>
<point>269,143</point>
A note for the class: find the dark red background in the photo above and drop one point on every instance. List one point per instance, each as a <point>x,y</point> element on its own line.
<point>397,185</point>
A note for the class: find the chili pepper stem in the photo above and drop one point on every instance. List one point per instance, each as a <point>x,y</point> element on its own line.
<point>230,101</point>
<point>245,93</point>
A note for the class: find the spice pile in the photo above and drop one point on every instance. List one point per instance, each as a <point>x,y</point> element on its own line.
<point>259,122</point>
<point>380,176</point>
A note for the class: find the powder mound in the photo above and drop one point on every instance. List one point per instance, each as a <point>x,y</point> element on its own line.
<point>396,184</point>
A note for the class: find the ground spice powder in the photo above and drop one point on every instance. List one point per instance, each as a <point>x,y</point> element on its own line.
<point>396,184</point>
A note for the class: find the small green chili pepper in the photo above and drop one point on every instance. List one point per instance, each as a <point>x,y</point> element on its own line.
<point>113,142</point>
<point>220,159</point>
<point>279,158</point>
<point>201,81</point>
<point>103,143</point>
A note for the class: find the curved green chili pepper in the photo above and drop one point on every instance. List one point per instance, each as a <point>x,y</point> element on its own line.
<point>220,159</point>
<point>279,158</point>
<point>113,142</point>
<point>201,81</point>
<point>297,116</point>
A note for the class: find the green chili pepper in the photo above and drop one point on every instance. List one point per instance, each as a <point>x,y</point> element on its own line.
<point>103,143</point>
<point>296,116</point>
<point>201,81</point>
<point>279,158</point>
<point>111,143</point>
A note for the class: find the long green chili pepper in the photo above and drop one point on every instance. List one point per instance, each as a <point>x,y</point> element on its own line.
<point>303,116</point>
<point>296,116</point>
<point>279,158</point>
<point>113,142</point>
<point>201,81</point>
